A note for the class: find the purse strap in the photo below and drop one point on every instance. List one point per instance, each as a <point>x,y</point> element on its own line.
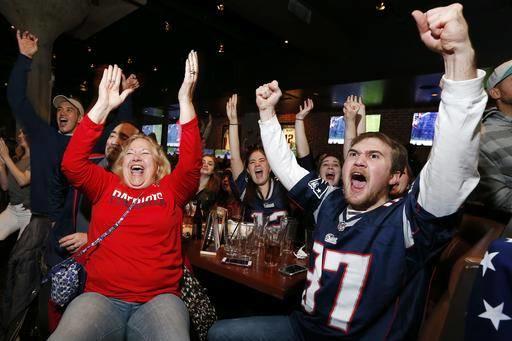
<point>96,242</point>
<point>107,232</point>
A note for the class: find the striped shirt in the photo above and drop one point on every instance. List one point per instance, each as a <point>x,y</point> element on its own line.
<point>495,163</point>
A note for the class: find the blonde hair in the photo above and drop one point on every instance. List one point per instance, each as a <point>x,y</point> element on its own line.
<point>163,167</point>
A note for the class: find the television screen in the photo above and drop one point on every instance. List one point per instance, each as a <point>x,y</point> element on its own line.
<point>336,130</point>
<point>153,129</point>
<point>151,111</point>
<point>220,153</point>
<point>173,135</point>
<point>422,132</point>
<point>372,123</point>
<point>207,151</point>
<point>173,151</point>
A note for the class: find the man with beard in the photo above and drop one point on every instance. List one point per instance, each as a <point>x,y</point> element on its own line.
<point>371,256</point>
<point>495,187</point>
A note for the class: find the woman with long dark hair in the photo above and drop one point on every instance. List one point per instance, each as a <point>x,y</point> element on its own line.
<point>15,178</point>
<point>259,190</point>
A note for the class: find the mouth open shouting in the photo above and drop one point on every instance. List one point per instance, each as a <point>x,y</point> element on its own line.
<point>139,166</point>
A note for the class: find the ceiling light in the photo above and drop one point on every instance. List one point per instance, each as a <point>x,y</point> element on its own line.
<point>220,7</point>
<point>220,48</point>
<point>381,6</point>
<point>167,26</point>
<point>83,86</point>
<point>155,68</point>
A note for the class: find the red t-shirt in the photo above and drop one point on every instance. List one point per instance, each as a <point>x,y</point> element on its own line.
<point>142,258</point>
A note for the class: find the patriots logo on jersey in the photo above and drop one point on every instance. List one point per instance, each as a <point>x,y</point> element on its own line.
<point>331,239</point>
<point>318,186</point>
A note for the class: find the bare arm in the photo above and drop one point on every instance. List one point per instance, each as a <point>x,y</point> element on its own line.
<point>3,176</point>
<point>300,130</point>
<point>21,177</point>
<point>186,92</point>
<point>237,165</point>
<point>355,116</point>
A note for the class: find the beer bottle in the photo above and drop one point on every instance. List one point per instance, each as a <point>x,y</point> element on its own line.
<point>198,221</point>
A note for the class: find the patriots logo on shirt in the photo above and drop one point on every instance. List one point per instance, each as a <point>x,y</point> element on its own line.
<point>318,186</point>
<point>331,239</point>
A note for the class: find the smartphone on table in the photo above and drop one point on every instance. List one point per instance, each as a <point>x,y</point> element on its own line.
<point>237,261</point>
<point>292,269</point>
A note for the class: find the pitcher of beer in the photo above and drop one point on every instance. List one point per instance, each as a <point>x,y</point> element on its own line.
<point>273,236</point>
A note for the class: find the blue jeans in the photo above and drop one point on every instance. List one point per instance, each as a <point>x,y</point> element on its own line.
<point>92,316</point>
<point>260,328</point>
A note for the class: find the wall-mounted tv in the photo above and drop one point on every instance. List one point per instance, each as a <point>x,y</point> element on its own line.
<point>220,153</point>
<point>372,123</point>
<point>207,151</point>
<point>336,130</point>
<point>173,150</point>
<point>422,131</point>
<point>337,127</point>
<point>153,128</point>
<point>173,135</point>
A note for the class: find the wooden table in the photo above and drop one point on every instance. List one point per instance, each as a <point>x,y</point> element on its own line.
<point>261,278</point>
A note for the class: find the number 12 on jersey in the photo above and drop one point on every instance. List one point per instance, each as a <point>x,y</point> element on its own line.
<point>349,287</point>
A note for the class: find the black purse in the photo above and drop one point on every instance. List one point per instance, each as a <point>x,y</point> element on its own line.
<point>200,308</point>
<point>68,277</point>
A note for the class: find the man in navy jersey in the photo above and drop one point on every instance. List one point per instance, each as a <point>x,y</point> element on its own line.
<point>370,261</point>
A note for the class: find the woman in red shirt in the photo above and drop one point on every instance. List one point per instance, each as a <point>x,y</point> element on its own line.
<point>132,286</point>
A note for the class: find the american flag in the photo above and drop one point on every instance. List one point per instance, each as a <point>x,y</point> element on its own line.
<point>489,314</point>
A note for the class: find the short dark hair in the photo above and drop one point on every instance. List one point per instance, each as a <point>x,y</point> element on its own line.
<point>132,122</point>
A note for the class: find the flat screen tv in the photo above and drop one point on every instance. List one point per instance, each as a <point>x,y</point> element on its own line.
<point>336,130</point>
<point>173,135</point>
<point>155,129</point>
<point>220,153</point>
<point>422,131</point>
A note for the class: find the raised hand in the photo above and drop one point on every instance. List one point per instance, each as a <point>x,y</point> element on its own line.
<point>444,29</point>
<point>129,83</point>
<point>108,91</point>
<point>186,92</point>
<point>27,43</point>
<point>305,110</point>
<point>353,106</point>
<point>4,150</point>
<point>267,97</point>
<point>231,109</point>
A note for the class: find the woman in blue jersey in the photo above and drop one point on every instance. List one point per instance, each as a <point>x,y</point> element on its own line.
<point>260,192</point>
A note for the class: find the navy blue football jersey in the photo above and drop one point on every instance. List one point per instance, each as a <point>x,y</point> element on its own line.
<point>368,273</point>
<point>275,205</point>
